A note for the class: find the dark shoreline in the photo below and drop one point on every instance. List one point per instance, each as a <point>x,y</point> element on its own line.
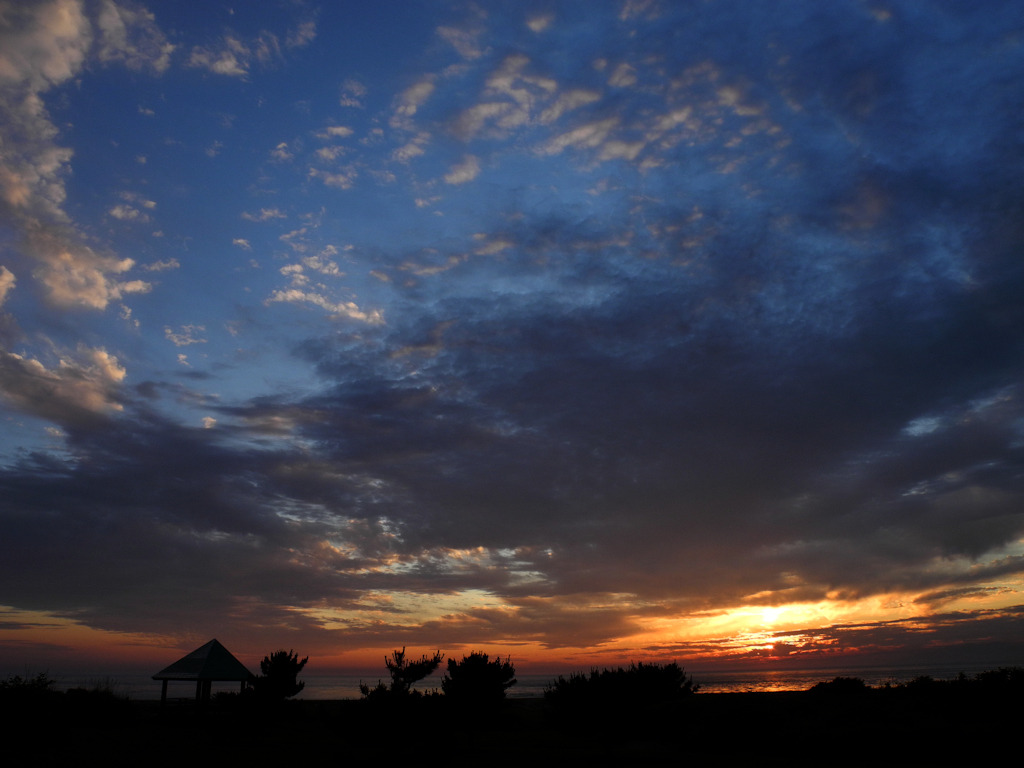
<point>791,728</point>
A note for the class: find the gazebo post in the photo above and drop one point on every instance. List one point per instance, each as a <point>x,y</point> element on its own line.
<point>163,695</point>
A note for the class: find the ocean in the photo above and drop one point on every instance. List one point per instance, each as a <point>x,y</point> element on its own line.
<point>325,687</point>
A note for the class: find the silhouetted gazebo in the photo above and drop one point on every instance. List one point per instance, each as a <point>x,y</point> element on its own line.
<point>206,665</point>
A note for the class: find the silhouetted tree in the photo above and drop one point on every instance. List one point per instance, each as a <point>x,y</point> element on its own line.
<point>404,673</point>
<point>477,680</point>
<point>620,692</point>
<point>280,676</point>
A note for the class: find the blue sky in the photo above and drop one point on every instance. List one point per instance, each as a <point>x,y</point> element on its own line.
<point>573,330</point>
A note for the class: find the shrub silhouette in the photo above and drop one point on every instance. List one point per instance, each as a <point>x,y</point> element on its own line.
<point>840,686</point>
<point>477,680</point>
<point>280,676</point>
<point>404,674</point>
<point>612,690</point>
<point>18,692</point>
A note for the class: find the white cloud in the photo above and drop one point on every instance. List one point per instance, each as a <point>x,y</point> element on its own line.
<point>330,154</point>
<point>352,93</point>
<point>623,76</point>
<point>232,58</point>
<point>76,276</point>
<point>123,212</point>
<point>472,120</point>
<point>80,385</point>
<point>130,35</point>
<point>323,264</point>
<point>295,273</point>
<point>567,102</point>
<point>410,100</point>
<point>126,315</point>
<point>512,97</point>
<point>242,243</point>
<point>539,23</point>
<point>187,335</point>
<point>465,41</point>
<point>265,214</point>
<point>413,148</point>
<point>343,180</point>
<point>44,44</point>
<point>465,171</point>
<point>302,35</point>
<point>621,150</point>
<point>586,136</point>
<point>281,152</point>
<point>347,309</point>
<point>7,281</point>
<point>335,132</point>
<point>296,239</point>
<point>162,266</point>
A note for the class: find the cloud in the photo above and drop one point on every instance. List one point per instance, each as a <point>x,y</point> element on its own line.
<point>231,58</point>
<point>123,212</point>
<point>129,35</point>
<point>465,41</point>
<point>234,57</point>
<point>335,132</point>
<point>76,276</point>
<point>302,35</point>
<point>410,100</point>
<point>540,22</point>
<point>414,148</point>
<point>7,281</point>
<point>568,101</point>
<point>81,386</point>
<point>467,170</point>
<point>163,266</point>
<point>623,76</point>
<point>339,309</point>
<point>342,180</point>
<point>352,93</point>
<point>589,136</point>
<point>188,334</point>
<point>44,45</point>
<point>265,214</point>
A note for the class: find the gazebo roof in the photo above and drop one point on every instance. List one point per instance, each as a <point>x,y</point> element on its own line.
<point>210,662</point>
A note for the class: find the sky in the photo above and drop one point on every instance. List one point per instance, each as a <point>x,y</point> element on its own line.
<point>576,332</point>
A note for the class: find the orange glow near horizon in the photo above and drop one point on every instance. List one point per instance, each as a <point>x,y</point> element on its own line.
<point>749,633</point>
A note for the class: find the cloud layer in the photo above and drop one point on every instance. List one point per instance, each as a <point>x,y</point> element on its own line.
<point>568,331</point>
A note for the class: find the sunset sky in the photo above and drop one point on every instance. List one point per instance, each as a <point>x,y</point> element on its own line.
<point>582,332</point>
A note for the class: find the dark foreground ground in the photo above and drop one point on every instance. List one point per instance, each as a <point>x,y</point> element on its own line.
<point>875,727</point>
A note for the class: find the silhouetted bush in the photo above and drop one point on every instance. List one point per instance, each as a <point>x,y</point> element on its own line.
<point>404,674</point>
<point>478,681</point>
<point>840,686</point>
<point>638,686</point>
<point>280,676</point>
<point>18,691</point>
<point>1001,680</point>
